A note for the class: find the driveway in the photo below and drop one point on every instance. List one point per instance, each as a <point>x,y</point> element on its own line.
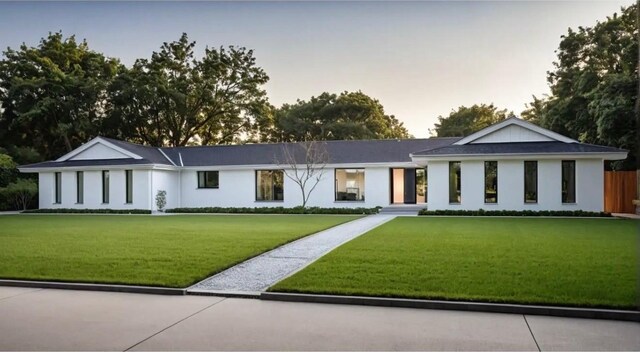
<point>43,319</point>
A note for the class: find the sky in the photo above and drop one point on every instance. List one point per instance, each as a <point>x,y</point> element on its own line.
<point>419,59</point>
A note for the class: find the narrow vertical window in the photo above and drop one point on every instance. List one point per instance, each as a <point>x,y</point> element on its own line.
<point>58,188</point>
<point>79,187</point>
<point>491,182</point>
<point>568,181</point>
<point>105,187</point>
<point>455,178</point>
<point>128,186</point>
<point>531,182</point>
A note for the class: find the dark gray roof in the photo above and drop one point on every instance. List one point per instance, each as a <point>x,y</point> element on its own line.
<point>339,152</point>
<point>518,148</point>
<point>78,163</point>
<point>151,154</point>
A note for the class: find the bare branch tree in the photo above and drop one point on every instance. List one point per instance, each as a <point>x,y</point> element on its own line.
<point>304,163</point>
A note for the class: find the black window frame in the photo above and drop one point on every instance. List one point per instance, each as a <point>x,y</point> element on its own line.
<point>128,186</point>
<point>486,195</point>
<point>274,191</point>
<point>568,189</point>
<point>105,186</point>
<point>458,188</point>
<point>79,187</point>
<point>534,182</point>
<point>57,181</point>
<point>204,173</point>
<point>335,185</point>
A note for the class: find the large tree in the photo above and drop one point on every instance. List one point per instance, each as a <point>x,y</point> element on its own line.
<point>467,120</point>
<point>594,85</point>
<point>175,99</point>
<point>349,115</point>
<point>52,96</point>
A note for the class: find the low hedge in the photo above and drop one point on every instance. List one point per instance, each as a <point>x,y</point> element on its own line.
<point>482,212</point>
<point>276,210</point>
<point>87,211</point>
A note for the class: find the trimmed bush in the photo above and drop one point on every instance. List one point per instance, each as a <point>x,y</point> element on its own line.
<point>276,210</point>
<point>87,211</point>
<point>482,212</point>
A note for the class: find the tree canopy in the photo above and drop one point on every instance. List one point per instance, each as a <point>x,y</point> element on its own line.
<point>594,85</point>
<point>349,115</point>
<point>467,120</point>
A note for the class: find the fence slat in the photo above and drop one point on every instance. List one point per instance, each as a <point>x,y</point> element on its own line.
<point>620,189</point>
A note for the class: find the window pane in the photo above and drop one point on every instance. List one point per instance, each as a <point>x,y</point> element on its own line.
<point>207,179</point>
<point>530,181</point>
<point>421,185</point>
<point>455,178</point>
<point>568,181</point>
<point>79,187</point>
<point>350,185</point>
<point>58,187</point>
<point>491,182</point>
<point>270,185</point>
<point>129,185</point>
<point>201,179</point>
<point>105,186</point>
<point>278,184</point>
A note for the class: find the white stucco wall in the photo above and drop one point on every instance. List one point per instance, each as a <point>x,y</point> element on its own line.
<point>164,180</point>
<point>237,189</point>
<point>589,186</point>
<point>93,190</point>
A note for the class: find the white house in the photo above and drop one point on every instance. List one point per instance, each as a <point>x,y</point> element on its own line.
<point>512,165</point>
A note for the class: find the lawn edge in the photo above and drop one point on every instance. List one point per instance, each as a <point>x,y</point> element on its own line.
<point>569,312</point>
<point>94,287</point>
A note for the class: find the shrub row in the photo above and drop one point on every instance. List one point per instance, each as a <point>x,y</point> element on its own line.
<point>88,211</point>
<point>276,210</point>
<point>482,212</point>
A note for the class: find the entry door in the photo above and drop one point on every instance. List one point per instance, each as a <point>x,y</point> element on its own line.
<point>409,186</point>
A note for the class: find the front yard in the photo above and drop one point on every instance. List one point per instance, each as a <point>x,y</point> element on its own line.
<point>574,262</point>
<point>170,251</point>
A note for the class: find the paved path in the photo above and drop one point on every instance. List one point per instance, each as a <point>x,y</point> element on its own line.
<point>258,273</point>
<point>37,319</point>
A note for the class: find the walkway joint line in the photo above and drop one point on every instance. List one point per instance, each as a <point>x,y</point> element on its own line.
<point>531,332</point>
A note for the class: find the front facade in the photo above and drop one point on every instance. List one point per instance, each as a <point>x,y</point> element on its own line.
<point>512,165</point>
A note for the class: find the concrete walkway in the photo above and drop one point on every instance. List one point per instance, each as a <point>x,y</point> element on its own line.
<point>258,273</point>
<point>45,319</point>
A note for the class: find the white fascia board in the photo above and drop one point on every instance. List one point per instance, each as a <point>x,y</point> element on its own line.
<point>99,167</point>
<point>522,156</point>
<point>519,122</point>
<point>407,164</point>
<point>93,142</point>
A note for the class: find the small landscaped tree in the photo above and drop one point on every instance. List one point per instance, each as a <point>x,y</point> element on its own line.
<point>21,192</point>
<point>161,199</point>
<point>304,163</point>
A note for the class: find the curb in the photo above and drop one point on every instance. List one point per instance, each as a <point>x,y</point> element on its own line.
<point>568,312</point>
<point>94,287</point>
<point>228,294</point>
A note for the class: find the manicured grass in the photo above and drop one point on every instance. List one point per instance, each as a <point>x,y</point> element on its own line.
<point>171,251</point>
<point>574,262</point>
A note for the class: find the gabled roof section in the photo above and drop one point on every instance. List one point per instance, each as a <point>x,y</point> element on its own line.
<point>99,148</point>
<point>514,130</point>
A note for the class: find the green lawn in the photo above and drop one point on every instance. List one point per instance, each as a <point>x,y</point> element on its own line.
<point>172,251</point>
<point>575,262</point>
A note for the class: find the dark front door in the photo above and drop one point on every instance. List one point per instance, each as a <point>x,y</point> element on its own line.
<point>409,186</point>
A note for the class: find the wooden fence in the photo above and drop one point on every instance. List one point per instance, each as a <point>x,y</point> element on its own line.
<point>620,189</point>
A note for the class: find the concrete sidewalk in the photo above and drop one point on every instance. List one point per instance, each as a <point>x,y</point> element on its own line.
<point>258,273</point>
<point>44,319</point>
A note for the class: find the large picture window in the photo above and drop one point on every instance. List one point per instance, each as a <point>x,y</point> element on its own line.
<point>269,185</point>
<point>105,187</point>
<point>491,182</point>
<point>79,187</point>
<point>455,179</point>
<point>349,185</point>
<point>531,181</point>
<point>128,178</point>
<point>58,188</point>
<point>568,181</point>
<point>208,179</point>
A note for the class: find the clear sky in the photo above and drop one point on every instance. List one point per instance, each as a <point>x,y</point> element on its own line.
<point>420,59</point>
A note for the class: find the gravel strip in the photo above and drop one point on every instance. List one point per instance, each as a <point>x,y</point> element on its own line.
<point>258,273</point>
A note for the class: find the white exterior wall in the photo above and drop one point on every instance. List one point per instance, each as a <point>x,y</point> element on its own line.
<point>589,186</point>
<point>237,188</point>
<point>93,190</point>
<point>164,180</point>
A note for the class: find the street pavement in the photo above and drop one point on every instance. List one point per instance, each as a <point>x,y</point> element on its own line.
<point>47,319</point>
